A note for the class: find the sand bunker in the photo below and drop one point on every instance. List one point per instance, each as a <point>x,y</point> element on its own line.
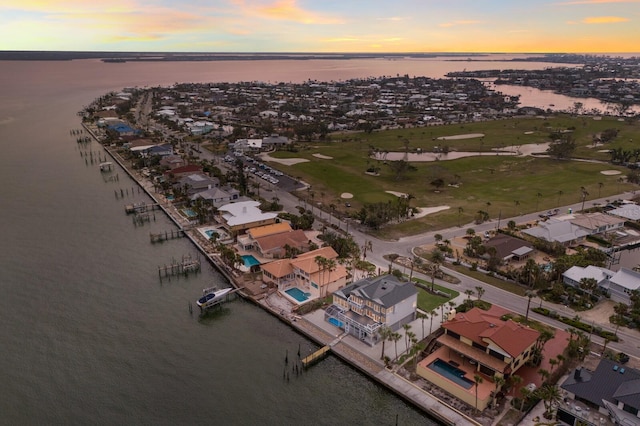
<point>522,150</point>
<point>423,211</point>
<point>611,172</point>
<point>397,194</point>
<point>457,137</point>
<point>324,157</point>
<point>346,195</point>
<point>285,161</point>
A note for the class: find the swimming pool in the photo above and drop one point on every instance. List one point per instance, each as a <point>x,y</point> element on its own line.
<point>210,233</point>
<point>335,322</point>
<point>189,212</point>
<point>249,260</point>
<point>297,294</point>
<point>450,372</point>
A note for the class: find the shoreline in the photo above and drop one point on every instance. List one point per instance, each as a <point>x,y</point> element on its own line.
<point>374,369</point>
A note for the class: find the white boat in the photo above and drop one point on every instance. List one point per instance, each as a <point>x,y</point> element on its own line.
<point>212,296</point>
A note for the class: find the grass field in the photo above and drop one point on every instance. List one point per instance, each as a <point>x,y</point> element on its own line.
<point>498,184</point>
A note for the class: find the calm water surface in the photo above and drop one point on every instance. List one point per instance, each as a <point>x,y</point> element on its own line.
<point>89,334</point>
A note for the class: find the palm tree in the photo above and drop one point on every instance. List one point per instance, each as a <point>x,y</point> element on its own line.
<point>330,266</point>
<point>406,328</point>
<point>477,379</point>
<point>499,381</point>
<point>460,210</point>
<point>385,333</point>
<point>469,293</point>
<point>479,291</point>
<point>421,316</point>
<point>550,395</point>
<point>395,337</point>
<point>539,195</point>
<point>322,264</point>
<point>529,294</point>
<point>432,314</point>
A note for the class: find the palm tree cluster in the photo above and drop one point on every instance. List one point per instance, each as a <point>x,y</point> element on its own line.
<point>375,215</point>
<point>326,267</point>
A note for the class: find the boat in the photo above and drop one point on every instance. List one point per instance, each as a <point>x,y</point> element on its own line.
<point>212,296</point>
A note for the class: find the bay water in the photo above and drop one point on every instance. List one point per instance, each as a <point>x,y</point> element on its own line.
<point>89,334</point>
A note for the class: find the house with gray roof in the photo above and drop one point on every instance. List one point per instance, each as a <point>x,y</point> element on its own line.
<point>612,390</point>
<point>361,308</point>
<point>622,284</point>
<point>618,285</point>
<point>627,211</point>
<point>558,231</point>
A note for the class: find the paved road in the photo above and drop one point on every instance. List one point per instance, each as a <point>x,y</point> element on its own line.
<point>630,339</point>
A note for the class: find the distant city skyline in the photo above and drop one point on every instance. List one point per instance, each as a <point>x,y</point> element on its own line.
<point>509,26</point>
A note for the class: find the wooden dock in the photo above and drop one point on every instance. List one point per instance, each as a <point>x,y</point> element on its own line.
<point>316,356</point>
<point>166,235</point>
<point>184,267</point>
<point>140,207</point>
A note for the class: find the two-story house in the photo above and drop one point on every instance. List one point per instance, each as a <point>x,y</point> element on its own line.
<point>477,343</point>
<point>364,306</point>
<point>611,390</point>
<point>306,276</point>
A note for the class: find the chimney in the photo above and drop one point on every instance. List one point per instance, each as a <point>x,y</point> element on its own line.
<point>576,374</point>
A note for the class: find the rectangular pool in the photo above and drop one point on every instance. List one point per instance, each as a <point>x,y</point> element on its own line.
<point>450,372</point>
<point>297,294</point>
<point>249,260</point>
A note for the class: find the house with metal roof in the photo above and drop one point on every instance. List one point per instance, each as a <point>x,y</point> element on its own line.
<point>617,285</point>
<point>558,231</point>
<point>598,223</point>
<point>627,211</point>
<point>238,217</point>
<point>361,308</point>
<point>611,390</point>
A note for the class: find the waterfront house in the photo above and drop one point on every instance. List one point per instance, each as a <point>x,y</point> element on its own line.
<point>307,273</point>
<point>184,170</point>
<point>598,223</point>
<point>196,182</point>
<point>611,390</point>
<point>558,231</point>
<point>272,241</point>
<point>628,211</point>
<point>477,343</point>
<point>243,215</point>
<point>217,196</point>
<point>364,306</point>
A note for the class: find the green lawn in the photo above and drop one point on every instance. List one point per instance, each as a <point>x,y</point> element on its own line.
<point>498,184</point>
<point>428,302</point>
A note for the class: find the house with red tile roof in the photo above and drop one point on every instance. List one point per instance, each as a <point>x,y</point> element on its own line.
<point>481,344</point>
<point>272,241</point>
<point>307,273</point>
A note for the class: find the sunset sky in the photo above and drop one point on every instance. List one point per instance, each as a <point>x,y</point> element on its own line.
<point>322,25</point>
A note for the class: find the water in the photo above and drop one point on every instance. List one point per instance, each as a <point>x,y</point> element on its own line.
<point>297,294</point>
<point>450,372</point>
<point>249,260</point>
<point>89,333</point>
